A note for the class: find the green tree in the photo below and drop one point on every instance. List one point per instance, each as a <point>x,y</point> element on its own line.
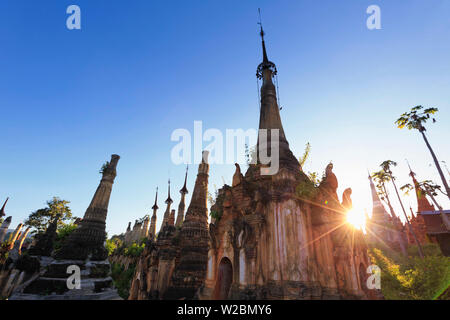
<point>381,178</point>
<point>40,218</point>
<point>415,119</point>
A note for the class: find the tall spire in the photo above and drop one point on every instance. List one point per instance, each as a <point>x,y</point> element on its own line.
<point>182,204</point>
<point>378,211</point>
<point>169,202</point>
<point>422,202</point>
<point>152,231</point>
<point>2,210</point>
<point>269,118</point>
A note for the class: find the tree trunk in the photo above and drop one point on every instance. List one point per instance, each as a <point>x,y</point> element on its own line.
<point>394,216</point>
<point>391,209</point>
<point>438,167</point>
<point>419,246</point>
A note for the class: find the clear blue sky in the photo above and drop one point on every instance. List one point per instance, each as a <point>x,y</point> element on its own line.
<point>140,69</point>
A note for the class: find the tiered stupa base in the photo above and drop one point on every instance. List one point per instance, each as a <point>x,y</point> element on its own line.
<point>95,283</point>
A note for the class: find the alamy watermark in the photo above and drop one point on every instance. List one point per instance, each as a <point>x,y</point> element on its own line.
<point>374,280</point>
<point>74,280</point>
<point>374,20</point>
<point>74,20</point>
<point>228,148</point>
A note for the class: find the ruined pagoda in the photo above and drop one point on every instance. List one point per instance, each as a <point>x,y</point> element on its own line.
<point>83,248</point>
<point>88,239</point>
<point>269,237</point>
<point>190,272</point>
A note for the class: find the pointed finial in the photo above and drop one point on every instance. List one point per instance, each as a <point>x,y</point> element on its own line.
<point>184,190</point>
<point>155,206</point>
<point>412,212</point>
<point>260,24</point>
<point>266,64</point>
<point>411,173</point>
<point>2,210</point>
<point>262,34</point>
<point>169,200</point>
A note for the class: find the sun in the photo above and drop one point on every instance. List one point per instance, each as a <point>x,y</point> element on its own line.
<point>357,219</point>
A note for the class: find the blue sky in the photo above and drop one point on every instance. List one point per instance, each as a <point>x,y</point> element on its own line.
<point>137,70</point>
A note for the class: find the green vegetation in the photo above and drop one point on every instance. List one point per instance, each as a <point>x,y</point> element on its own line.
<point>104,167</point>
<point>413,278</point>
<point>40,219</point>
<point>416,119</point>
<point>216,211</point>
<point>4,252</point>
<point>122,279</point>
<point>305,156</point>
<point>113,244</point>
<point>62,234</point>
<point>135,250</point>
<point>306,190</point>
<point>309,188</point>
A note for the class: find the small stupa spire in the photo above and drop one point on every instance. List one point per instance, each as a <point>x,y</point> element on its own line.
<point>184,189</point>
<point>169,199</point>
<point>169,202</point>
<point>182,205</point>
<point>2,210</point>
<point>155,206</point>
<point>266,64</point>
<point>422,202</point>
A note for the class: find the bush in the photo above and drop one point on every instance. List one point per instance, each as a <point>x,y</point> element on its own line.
<point>62,234</point>
<point>429,249</point>
<point>135,250</point>
<point>413,278</point>
<point>122,279</point>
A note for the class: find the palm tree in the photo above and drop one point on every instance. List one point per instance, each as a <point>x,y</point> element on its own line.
<point>428,187</point>
<point>386,166</point>
<point>381,178</point>
<point>416,119</point>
